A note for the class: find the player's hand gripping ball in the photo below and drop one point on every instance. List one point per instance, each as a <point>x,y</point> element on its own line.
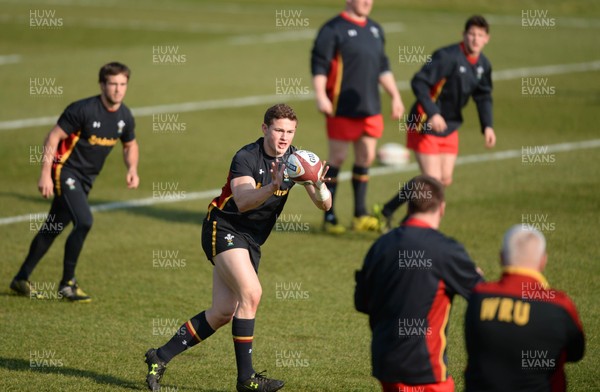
<point>304,167</point>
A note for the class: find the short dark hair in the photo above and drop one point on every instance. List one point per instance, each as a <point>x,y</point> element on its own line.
<point>479,21</point>
<point>279,111</point>
<point>111,69</point>
<point>423,193</point>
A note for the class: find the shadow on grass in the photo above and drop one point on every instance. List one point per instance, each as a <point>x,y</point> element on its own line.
<point>24,365</point>
<point>170,215</point>
<point>30,197</point>
<point>152,211</point>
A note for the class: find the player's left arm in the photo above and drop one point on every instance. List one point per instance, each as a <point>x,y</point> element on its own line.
<point>365,280</point>
<point>318,193</point>
<point>131,156</point>
<point>458,270</point>
<point>483,99</point>
<point>388,82</point>
<point>247,195</point>
<point>575,344</point>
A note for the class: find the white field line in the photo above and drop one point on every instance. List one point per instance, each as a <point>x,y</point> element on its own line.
<point>227,103</point>
<point>297,35</point>
<point>344,176</point>
<point>10,59</point>
<point>561,21</point>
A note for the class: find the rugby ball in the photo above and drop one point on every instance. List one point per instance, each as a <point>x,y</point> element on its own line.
<point>393,154</point>
<point>304,167</point>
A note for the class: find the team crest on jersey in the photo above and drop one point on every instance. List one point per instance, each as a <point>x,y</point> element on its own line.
<point>479,72</point>
<point>229,238</point>
<point>121,125</point>
<point>70,183</point>
<point>375,31</point>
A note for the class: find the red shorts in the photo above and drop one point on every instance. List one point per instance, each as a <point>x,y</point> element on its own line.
<point>445,386</point>
<point>351,129</point>
<point>432,144</point>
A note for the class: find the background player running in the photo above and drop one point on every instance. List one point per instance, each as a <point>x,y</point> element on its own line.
<point>74,153</point>
<point>238,223</point>
<point>442,88</point>
<point>348,64</point>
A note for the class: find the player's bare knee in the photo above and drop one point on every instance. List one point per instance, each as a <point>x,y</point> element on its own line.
<point>336,160</point>
<point>250,300</point>
<point>365,161</point>
<point>447,181</point>
<point>219,317</point>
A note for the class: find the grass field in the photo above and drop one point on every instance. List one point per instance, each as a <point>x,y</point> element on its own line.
<point>223,51</point>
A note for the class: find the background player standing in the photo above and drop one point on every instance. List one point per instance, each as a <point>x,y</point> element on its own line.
<point>238,223</point>
<point>74,153</point>
<point>442,88</point>
<point>406,286</point>
<point>520,332</point>
<point>348,64</point>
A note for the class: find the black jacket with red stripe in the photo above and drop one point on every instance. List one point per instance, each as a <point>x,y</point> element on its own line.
<point>444,86</point>
<point>351,54</point>
<point>406,286</point>
<point>519,334</point>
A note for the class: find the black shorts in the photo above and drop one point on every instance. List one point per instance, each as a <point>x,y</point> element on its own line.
<point>218,235</point>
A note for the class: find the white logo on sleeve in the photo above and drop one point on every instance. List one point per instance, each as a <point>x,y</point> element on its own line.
<point>352,33</point>
<point>462,69</point>
<point>96,124</point>
<point>121,125</point>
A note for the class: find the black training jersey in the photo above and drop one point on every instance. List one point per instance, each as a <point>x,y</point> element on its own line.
<point>444,85</point>
<point>351,55</point>
<point>406,286</point>
<point>253,161</point>
<point>519,334</point>
<point>93,131</point>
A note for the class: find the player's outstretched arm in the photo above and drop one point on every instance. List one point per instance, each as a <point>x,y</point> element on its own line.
<point>318,193</point>
<point>45,184</point>
<point>131,156</point>
<point>247,196</point>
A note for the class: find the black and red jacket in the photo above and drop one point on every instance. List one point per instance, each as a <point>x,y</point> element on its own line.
<point>519,334</point>
<point>406,286</point>
<point>445,84</point>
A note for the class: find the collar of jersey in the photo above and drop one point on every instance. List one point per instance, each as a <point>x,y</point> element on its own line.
<point>512,270</point>
<point>413,222</point>
<point>361,23</point>
<point>471,59</point>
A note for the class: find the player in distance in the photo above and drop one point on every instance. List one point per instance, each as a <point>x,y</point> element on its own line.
<point>73,156</point>
<point>442,88</point>
<point>348,64</point>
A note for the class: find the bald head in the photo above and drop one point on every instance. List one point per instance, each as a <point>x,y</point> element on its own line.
<point>524,246</point>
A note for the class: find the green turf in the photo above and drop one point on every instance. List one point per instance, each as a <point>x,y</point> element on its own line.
<point>137,303</point>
